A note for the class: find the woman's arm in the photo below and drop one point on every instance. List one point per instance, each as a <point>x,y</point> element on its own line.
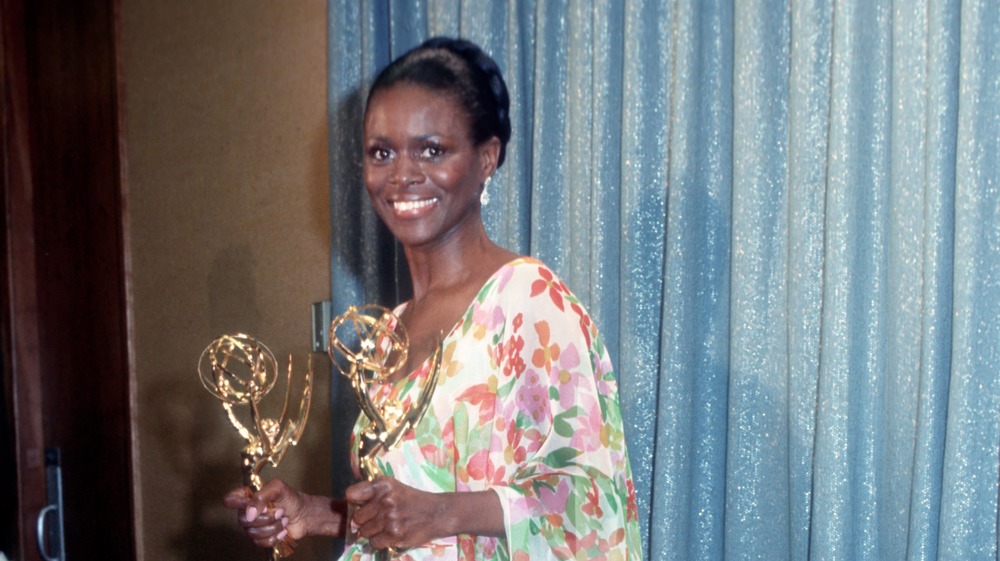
<point>568,491</point>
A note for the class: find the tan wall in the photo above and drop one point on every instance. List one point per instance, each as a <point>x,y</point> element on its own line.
<point>227,171</point>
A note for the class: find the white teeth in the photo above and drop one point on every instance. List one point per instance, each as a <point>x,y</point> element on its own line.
<point>403,206</point>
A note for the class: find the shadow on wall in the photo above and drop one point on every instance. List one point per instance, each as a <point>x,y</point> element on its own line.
<point>203,453</point>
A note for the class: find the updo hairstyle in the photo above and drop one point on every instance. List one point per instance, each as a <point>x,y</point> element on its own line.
<point>461,69</point>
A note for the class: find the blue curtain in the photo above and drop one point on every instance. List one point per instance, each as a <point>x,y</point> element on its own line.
<point>785,218</point>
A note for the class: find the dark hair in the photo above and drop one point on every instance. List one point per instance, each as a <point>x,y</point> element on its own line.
<point>459,68</point>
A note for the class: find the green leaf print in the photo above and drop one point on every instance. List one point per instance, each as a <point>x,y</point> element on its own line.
<point>562,457</point>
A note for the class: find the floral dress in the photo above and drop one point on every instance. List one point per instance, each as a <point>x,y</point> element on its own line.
<point>526,405</point>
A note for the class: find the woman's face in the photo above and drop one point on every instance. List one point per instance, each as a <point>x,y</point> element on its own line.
<point>422,170</point>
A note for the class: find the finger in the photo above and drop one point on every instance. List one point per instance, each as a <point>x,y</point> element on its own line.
<point>266,530</point>
<point>360,493</point>
<point>259,511</point>
<point>390,536</point>
<point>367,510</point>
<point>380,522</point>
<point>361,515</point>
<point>371,529</point>
<point>236,499</point>
<point>268,541</point>
<point>271,492</point>
<point>259,517</point>
<point>381,501</point>
<point>269,534</point>
<point>272,541</point>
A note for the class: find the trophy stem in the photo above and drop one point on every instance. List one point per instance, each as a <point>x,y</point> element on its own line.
<point>251,479</point>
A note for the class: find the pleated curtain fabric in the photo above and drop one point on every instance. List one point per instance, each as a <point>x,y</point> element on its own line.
<point>784,217</point>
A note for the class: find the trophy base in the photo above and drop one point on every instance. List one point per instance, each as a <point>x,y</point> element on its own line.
<point>282,549</point>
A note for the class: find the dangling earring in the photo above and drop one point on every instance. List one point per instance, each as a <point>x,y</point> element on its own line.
<point>484,196</point>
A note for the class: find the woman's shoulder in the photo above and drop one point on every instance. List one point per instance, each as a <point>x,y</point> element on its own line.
<point>522,271</point>
<point>527,266</point>
<point>528,279</point>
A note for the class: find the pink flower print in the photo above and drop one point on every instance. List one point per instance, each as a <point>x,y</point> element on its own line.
<point>534,438</point>
<point>496,318</point>
<point>481,400</point>
<point>448,433</point>
<point>486,320</point>
<point>554,499</point>
<point>433,454</point>
<point>581,544</point>
<point>514,452</point>
<point>562,376</point>
<point>480,467</point>
<point>592,433</point>
<point>533,396</point>
<point>562,552</point>
<point>504,276</point>
<point>480,322</point>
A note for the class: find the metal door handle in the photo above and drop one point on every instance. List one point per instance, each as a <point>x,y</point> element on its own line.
<point>52,537</point>
<point>42,542</point>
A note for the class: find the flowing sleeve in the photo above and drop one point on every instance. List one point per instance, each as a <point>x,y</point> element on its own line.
<point>567,492</point>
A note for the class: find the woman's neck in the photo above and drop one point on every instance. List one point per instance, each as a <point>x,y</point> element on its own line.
<point>447,266</point>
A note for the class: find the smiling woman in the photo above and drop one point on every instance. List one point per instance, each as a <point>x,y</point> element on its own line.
<point>521,453</point>
<point>423,171</point>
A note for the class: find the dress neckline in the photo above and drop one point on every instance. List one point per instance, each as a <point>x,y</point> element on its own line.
<point>487,284</point>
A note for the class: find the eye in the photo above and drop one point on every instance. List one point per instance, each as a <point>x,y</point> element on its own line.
<point>379,154</point>
<point>432,151</point>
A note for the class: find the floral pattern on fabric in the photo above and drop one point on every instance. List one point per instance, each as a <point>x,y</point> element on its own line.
<point>526,405</point>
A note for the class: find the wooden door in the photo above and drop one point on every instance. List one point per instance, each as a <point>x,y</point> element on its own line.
<point>66,352</point>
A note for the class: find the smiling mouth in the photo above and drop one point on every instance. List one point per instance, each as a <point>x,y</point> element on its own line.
<point>405,206</point>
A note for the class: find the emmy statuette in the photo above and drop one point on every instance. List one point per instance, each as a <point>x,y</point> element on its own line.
<point>369,346</point>
<point>239,370</point>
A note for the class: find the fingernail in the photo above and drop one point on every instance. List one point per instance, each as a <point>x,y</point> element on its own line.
<point>264,511</point>
<point>251,513</point>
<point>354,527</point>
<point>282,534</point>
<point>279,513</point>
<point>284,521</point>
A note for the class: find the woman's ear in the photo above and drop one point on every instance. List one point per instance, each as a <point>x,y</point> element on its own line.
<point>489,153</point>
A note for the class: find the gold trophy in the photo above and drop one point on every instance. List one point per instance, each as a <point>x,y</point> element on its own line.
<point>240,371</point>
<point>369,346</point>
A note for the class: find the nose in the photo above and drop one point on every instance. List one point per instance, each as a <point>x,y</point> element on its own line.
<point>407,171</point>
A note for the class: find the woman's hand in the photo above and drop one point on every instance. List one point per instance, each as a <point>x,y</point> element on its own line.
<point>267,514</point>
<point>277,511</point>
<point>391,514</point>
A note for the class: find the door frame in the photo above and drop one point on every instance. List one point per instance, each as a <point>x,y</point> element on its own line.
<point>66,348</point>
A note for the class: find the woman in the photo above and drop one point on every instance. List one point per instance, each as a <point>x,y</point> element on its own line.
<point>521,454</point>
